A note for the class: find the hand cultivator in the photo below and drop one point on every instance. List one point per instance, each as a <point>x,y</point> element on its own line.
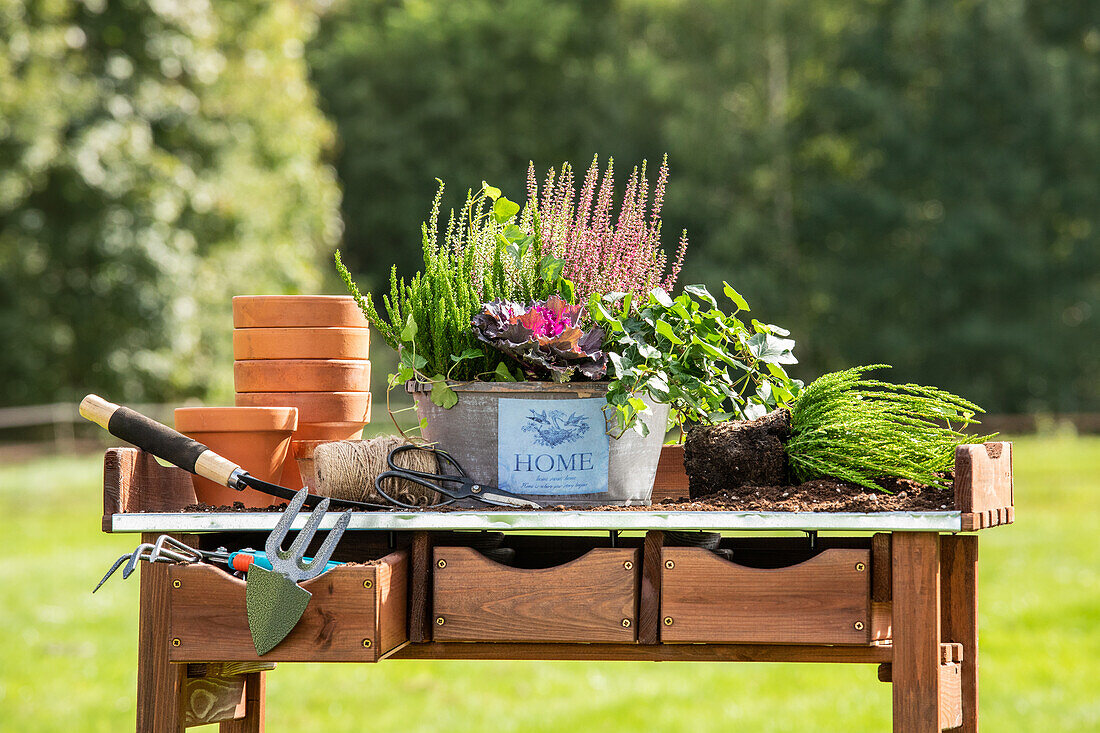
<point>169,549</point>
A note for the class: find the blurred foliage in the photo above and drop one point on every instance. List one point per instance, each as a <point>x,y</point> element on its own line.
<point>156,158</point>
<point>910,182</point>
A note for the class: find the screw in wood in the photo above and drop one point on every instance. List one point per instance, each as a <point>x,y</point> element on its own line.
<point>626,623</point>
<point>176,584</point>
<point>175,642</point>
<point>439,621</point>
<point>366,643</point>
<point>859,625</point>
<point>368,584</point>
<point>668,620</point>
<point>628,565</point>
<point>860,567</point>
<point>441,564</point>
<point>669,564</point>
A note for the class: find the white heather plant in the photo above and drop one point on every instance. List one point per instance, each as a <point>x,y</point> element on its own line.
<point>854,429</point>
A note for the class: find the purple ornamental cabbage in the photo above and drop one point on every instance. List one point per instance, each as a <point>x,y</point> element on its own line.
<point>545,338</point>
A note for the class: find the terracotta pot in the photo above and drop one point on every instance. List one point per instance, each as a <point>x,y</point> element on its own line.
<point>294,311</point>
<point>255,438</point>
<point>327,431</point>
<point>314,407</point>
<point>302,452</point>
<point>302,375</point>
<point>301,343</point>
<point>323,416</point>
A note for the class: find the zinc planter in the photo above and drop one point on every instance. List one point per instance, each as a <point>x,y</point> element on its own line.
<point>522,437</point>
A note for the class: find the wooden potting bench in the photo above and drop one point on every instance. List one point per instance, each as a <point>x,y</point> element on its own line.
<point>894,589</point>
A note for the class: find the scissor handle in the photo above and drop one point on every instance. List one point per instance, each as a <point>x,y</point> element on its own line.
<point>413,476</point>
<point>461,477</point>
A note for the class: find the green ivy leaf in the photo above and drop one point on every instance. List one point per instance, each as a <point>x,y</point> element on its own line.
<point>566,291</point>
<point>467,354</point>
<point>412,360</point>
<point>736,297</point>
<point>504,209</point>
<point>550,268</point>
<point>701,292</point>
<point>661,297</point>
<point>491,191</point>
<point>666,330</point>
<point>408,333</point>
<point>501,374</point>
<point>442,394</point>
<point>659,383</point>
<point>771,349</point>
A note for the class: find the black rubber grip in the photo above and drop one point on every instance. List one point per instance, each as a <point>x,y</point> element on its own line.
<point>153,437</point>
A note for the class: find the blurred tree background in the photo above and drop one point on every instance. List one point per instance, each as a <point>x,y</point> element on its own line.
<point>911,181</point>
<point>155,158</point>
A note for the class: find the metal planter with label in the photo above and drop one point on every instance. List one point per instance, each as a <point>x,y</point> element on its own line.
<point>545,439</point>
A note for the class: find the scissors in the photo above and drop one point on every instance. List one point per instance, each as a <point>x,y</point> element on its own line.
<point>466,488</point>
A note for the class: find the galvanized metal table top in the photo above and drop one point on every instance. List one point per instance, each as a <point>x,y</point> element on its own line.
<point>555,521</point>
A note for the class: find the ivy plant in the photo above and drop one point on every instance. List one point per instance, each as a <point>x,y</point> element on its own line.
<point>708,365</point>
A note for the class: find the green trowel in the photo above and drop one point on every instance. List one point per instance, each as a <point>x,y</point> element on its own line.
<point>274,600</point>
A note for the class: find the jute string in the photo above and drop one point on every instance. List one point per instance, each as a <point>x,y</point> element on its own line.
<point>346,469</point>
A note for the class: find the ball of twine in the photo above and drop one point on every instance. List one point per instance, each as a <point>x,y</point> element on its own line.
<point>346,469</point>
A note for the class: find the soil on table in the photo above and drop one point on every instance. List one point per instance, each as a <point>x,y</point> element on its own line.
<point>822,495</point>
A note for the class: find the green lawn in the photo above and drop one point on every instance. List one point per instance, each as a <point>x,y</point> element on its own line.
<point>69,658</point>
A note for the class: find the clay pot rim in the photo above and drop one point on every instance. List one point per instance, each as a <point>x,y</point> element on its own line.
<point>302,298</point>
<point>352,330</point>
<point>304,363</point>
<point>315,396</point>
<point>305,448</point>
<point>236,419</point>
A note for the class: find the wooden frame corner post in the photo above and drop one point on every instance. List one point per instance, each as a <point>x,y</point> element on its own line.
<point>959,611</point>
<point>160,683</point>
<point>916,629</point>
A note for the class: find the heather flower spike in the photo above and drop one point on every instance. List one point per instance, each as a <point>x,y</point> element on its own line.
<point>602,253</point>
<point>545,338</point>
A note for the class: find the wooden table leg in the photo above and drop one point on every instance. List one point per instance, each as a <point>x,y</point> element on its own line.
<point>916,632</point>
<point>253,720</point>
<point>959,611</point>
<point>159,682</point>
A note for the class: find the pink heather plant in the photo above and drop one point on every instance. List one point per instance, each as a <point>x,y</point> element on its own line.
<point>601,256</point>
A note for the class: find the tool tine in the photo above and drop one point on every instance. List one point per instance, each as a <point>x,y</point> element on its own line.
<point>116,566</point>
<point>298,548</point>
<point>186,552</point>
<point>316,566</point>
<point>274,544</point>
<point>134,558</point>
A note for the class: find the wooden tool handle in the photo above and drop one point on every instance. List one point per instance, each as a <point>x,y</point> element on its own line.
<point>160,440</point>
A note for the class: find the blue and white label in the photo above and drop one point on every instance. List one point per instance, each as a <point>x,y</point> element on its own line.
<point>552,447</point>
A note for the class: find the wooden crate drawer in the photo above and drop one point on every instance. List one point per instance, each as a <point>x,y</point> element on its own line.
<point>824,600</point>
<point>592,598</point>
<point>356,614</point>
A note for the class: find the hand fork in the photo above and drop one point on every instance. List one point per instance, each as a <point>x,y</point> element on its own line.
<point>274,600</point>
<point>292,563</point>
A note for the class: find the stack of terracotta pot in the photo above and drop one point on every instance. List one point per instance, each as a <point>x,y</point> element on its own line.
<point>304,351</point>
